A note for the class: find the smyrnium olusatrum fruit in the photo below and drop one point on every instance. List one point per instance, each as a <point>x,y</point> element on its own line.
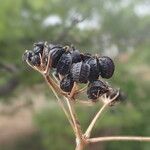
<point>55,55</point>
<point>80,72</point>
<point>66,84</point>
<point>64,64</point>
<point>94,69</point>
<point>106,67</point>
<point>96,89</point>
<point>72,66</point>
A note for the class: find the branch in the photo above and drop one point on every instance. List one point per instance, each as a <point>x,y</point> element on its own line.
<point>106,101</point>
<point>84,102</point>
<point>47,78</point>
<point>77,127</point>
<point>119,138</point>
<point>89,129</point>
<point>75,120</point>
<point>54,85</point>
<point>81,90</point>
<point>71,115</point>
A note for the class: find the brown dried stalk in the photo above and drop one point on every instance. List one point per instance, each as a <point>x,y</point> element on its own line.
<point>119,138</point>
<point>82,139</point>
<point>106,103</point>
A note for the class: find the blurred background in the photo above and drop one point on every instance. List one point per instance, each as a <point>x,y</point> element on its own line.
<point>30,118</point>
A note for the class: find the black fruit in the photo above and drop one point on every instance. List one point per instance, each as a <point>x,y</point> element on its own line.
<point>64,64</point>
<point>38,47</point>
<point>94,69</point>
<point>55,55</point>
<point>75,56</point>
<point>27,55</point>
<point>106,66</point>
<point>66,84</point>
<point>50,50</point>
<point>80,72</point>
<point>35,60</point>
<point>96,89</point>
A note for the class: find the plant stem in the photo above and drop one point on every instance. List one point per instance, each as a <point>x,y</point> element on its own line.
<point>81,90</point>
<point>75,120</point>
<point>54,85</point>
<point>119,138</point>
<point>106,101</point>
<point>84,102</point>
<point>47,78</point>
<point>72,117</point>
<point>79,146</point>
<point>89,129</point>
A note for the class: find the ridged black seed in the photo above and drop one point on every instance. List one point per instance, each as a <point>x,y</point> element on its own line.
<point>64,64</point>
<point>85,71</point>
<point>27,55</point>
<point>75,56</point>
<point>35,60</point>
<point>96,89</point>
<point>56,53</point>
<point>85,56</point>
<point>66,84</point>
<point>80,72</point>
<point>75,71</point>
<point>94,69</point>
<point>106,66</point>
<point>38,47</point>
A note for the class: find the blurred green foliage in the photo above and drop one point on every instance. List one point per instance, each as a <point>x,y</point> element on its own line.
<point>92,26</point>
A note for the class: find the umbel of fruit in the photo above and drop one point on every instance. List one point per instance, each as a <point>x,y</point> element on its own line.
<point>72,66</point>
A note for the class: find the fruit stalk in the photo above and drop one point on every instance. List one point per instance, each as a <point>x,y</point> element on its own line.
<point>119,138</point>
<point>89,129</point>
<point>48,79</point>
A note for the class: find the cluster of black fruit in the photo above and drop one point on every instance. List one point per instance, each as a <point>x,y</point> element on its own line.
<point>73,66</point>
